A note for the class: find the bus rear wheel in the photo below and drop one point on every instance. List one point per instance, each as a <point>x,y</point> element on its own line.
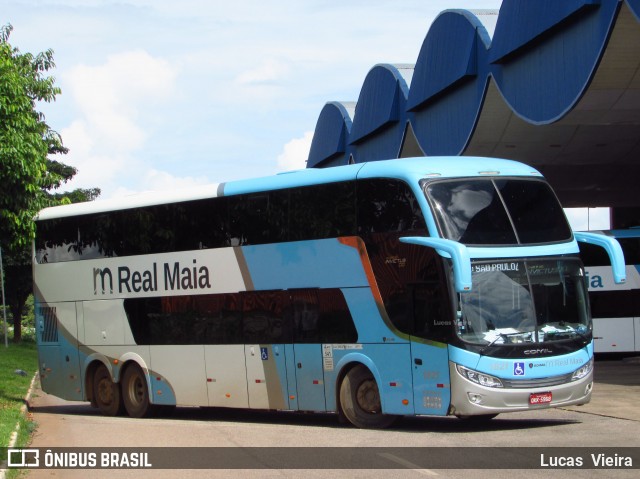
<point>360,400</point>
<point>106,393</point>
<point>135,393</point>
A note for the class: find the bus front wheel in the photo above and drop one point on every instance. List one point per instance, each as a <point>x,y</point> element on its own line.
<point>360,400</point>
<point>106,393</point>
<point>135,393</point>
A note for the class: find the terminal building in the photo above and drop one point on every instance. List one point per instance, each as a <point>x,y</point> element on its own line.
<point>554,84</point>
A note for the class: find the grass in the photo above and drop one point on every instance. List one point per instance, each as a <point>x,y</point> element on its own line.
<point>13,388</point>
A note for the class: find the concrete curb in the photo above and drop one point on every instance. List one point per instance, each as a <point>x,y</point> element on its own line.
<point>23,410</point>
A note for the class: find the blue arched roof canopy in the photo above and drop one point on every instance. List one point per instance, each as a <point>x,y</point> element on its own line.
<point>329,144</point>
<point>544,53</point>
<point>571,65</point>
<point>380,116</point>
<point>449,82</point>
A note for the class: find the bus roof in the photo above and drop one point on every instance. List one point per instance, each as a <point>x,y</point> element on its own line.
<point>408,169</point>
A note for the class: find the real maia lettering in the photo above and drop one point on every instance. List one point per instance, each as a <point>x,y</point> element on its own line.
<point>173,276</point>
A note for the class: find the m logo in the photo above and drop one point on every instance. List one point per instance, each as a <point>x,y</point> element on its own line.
<point>103,274</point>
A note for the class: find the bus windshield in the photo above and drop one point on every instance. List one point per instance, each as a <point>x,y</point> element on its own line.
<point>497,211</point>
<point>522,301</point>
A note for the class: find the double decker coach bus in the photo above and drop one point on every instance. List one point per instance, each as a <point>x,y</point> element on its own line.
<point>424,286</point>
<point>615,308</point>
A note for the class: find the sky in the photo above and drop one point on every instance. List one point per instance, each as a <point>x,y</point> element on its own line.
<point>165,94</point>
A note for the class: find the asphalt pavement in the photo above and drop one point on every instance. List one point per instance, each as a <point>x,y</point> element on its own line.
<point>616,389</point>
<point>610,419</point>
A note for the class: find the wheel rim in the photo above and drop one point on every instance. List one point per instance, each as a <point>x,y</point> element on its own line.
<point>105,391</point>
<point>368,397</point>
<point>136,391</point>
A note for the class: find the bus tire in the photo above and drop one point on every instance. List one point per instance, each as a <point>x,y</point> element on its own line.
<point>135,393</point>
<point>106,393</point>
<point>360,400</point>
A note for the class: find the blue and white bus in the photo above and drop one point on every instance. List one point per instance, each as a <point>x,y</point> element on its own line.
<point>615,308</point>
<point>423,286</point>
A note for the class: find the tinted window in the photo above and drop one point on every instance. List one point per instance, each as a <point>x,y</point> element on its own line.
<point>322,316</point>
<point>596,256</point>
<point>258,218</point>
<point>201,224</point>
<point>413,285</point>
<point>593,255</point>
<point>614,304</point>
<point>263,318</point>
<point>471,212</point>
<point>631,249</point>
<point>256,317</point>
<point>305,213</point>
<point>323,211</point>
<point>155,229</point>
<point>498,212</point>
<point>534,210</point>
<point>386,205</point>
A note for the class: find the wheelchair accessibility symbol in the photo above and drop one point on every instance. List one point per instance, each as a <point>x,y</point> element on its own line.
<point>264,354</point>
<point>518,369</point>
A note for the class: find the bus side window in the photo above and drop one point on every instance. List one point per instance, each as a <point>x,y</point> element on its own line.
<point>387,205</point>
<point>431,316</point>
<point>593,255</point>
<point>323,211</point>
<point>263,317</point>
<point>322,316</point>
<point>201,224</point>
<point>631,249</point>
<point>258,218</point>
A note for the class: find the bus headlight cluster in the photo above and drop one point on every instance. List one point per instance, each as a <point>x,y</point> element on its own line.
<point>479,378</point>
<point>583,371</point>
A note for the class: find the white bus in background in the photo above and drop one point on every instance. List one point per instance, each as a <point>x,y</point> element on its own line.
<point>615,307</point>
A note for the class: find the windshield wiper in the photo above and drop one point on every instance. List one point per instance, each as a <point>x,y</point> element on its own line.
<point>566,334</point>
<point>503,336</point>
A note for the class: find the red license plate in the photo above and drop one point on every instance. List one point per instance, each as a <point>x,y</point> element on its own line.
<point>540,398</point>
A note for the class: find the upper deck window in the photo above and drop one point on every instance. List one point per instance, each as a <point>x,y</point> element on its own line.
<point>497,211</point>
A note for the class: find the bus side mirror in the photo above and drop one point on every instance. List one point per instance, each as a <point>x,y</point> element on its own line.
<point>458,253</point>
<point>613,249</point>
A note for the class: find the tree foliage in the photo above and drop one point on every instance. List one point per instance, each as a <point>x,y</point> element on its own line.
<point>28,175</point>
<point>26,140</point>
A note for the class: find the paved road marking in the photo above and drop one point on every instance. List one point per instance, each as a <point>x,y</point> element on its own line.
<point>408,464</point>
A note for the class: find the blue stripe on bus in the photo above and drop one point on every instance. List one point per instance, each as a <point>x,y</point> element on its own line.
<point>534,367</point>
<point>304,264</point>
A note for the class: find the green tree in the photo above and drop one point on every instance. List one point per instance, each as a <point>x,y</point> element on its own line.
<point>25,139</point>
<point>27,174</point>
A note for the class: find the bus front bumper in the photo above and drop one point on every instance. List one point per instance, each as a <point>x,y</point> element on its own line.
<point>471,399</point>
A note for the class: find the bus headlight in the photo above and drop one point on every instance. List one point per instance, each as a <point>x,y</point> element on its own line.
<point>479,378</point>
<point>583,371</point>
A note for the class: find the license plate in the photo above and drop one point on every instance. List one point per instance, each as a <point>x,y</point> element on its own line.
<point>540,398</point>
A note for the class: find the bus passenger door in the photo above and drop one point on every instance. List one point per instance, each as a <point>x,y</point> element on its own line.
<point>309,375</point>
<point>265,328</point>
<point>267,382</point>
<point>431,385</point>
<point>429,352</point>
